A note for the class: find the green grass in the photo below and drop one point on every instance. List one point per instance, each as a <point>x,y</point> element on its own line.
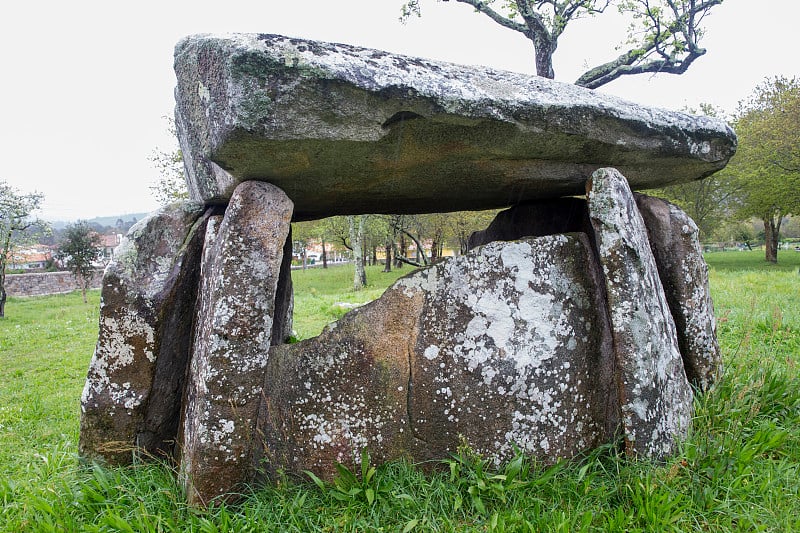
<point>318,290</point>
<point>739,470</point>
<point>753,260</point>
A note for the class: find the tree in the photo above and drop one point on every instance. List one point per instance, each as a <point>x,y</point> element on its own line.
<point>78,250</point>
<point>171,183</point>
<point>664,35</point>
<point>766,166</point>
<point>356,227</point>
<point>17,226</point>
<point>461,224</point>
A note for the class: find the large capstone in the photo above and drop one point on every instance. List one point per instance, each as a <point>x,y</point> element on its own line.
<point>655,396</point>
<point>236,313</point>
<point>347,130</point>
<point>506,346</point>
<point>131,399</point>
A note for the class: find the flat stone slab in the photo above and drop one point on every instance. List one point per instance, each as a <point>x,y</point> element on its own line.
<point>348,130</point>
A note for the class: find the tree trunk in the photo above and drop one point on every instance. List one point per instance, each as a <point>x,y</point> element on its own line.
<point>84,284</point>
<point>387,267</point>
<point>771,232</point>
<point>544,49</point>
<point>463,244</point>
<point>419,254</point>
<point>356,234</point>
<point>3,295</point>
<point>324,255</point>
<point>403,251</point>
<point>305,258</point>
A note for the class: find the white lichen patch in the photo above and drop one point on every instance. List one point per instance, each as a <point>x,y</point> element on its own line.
<point>509,323</point>
<point>126,340</point>
<point>431,352</point>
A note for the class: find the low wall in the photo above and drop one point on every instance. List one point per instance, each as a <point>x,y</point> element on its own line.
<point>46,283</point>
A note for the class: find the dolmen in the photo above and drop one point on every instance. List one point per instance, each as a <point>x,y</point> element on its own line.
<point>581,315</point>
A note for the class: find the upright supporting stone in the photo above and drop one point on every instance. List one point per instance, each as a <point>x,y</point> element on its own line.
<point>240,271</point>
<point>684,273</point>
<point>132,392</point>
<point>655,397</point>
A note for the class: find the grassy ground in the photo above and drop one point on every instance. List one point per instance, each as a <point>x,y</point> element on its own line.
<point>318,291</point>
<point>739,470</point>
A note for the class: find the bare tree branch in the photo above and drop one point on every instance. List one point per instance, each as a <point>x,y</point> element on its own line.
<point>669,42</point>
<point>484,8</point>
<point>408,261</point>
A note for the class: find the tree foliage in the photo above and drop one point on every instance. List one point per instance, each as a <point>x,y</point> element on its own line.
<point>17,226</point>
<point>393,235</point>
<point>766,168</point>
<point>664,35</point>
<point>170,186</point>
<point>79,249</point>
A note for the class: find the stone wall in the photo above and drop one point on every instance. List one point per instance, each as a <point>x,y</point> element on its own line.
<point>43,283</point>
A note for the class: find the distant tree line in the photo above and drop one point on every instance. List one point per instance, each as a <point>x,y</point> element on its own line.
<point>762,181</point>
<point>391,237</point>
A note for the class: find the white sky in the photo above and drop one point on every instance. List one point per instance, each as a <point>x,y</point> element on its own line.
<point>85,83</point>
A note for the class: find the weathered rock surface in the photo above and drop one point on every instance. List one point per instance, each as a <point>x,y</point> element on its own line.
<point>132,393</point>
<point>327,398</point>
<point>512,350</point>
<point>655,396</point>
<point>684,274</point>
<point>347,130</point>
<point>502,346</point>
<point>241,265</point>
<point>673,238</point>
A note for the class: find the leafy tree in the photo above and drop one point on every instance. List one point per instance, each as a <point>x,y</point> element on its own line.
<point>171,183</point>
<point>302,233</point>
<point>79,249</point>
<point>461,224</point>
<point>766,167</point>
<point>664,35</point>
<point>17,227</point>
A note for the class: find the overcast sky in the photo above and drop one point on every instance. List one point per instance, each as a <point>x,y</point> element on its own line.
<point>85,84</point>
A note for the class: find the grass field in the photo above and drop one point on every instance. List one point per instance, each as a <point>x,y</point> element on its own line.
<point>739,470</point>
